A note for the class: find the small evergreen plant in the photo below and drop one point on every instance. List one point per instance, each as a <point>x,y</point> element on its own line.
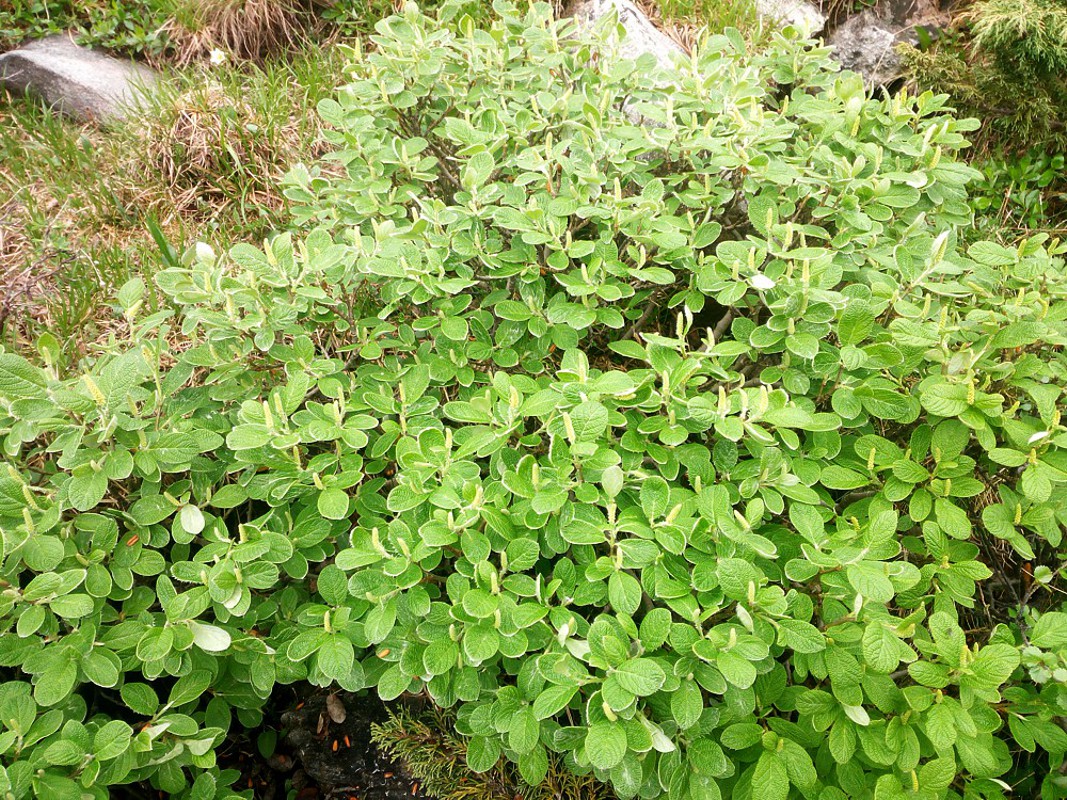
<point>670,432</point>
<point>426,743</point>
<point>1007,64</point>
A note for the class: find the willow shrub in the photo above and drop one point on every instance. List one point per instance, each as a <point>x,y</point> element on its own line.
<point>667,430</point>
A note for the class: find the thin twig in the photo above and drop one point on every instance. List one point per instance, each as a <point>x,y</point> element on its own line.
<point>723,324</point>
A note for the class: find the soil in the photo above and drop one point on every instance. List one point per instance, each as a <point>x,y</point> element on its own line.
<point>329,735</point>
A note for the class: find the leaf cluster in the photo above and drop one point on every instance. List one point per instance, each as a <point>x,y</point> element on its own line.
<point>673,437</point>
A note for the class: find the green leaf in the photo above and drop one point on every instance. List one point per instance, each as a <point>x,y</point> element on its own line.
<point>803,345</point>
<point>190,687</point>
<point>994,664</point>
<point>480,643</point>
<point>480,603</point>
<point>624,593</point>
<point>56,685</point>
<point>112,740</point>
<point>937,774</point>
<point>999,520</point>
<point>87,488</point>
<point>102,667</point>
<point>552,700</point>
<point>414,382</point>
<point>856,322</point>
<point>991,254</point>
<point>770,779</point>
<point>440,656</point>
<point>640,676</point>
<point>482,754</point>
<point>523,730</point>
<point>870,580</point>
<point>335,657</point>
<point>736,576</point>
<point>533,766</point>
<point>687,704</point>
<point>394,683</point>
<point>741,735</point>
<point>333,503</point>
<point>952,519</point>
<point>883,403</point>
<point>19,378</point>
<point>333,585</point>
<point>842,478</point>
<point>192,519</point>
<point>798,764</point>
<point>210,638</point>
<point>155,644</point>
<point>627,776</point>
<point>605,744</point>
<point>737,669</point>
<point>141,698</point>
<point>803,637</point>
<point>881,648</point>
<point>655,494</point>
<point>590,420</point>
<point>939,724</point>
<point>72,606</point>
<point>612,480</point>
<point>151,509</point>
<point>63,752</point>
<point>1050,630</point>
<point>945,399</point>
<point>380,621</point>
<point>655,628</point>
<point>248,437</point>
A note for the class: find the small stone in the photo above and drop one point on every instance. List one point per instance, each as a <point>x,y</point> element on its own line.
<point>79,82</point>
<point>802,15</point>
<point>336,708</point>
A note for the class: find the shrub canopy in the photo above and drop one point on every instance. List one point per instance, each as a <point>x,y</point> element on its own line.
<point>665,430</point>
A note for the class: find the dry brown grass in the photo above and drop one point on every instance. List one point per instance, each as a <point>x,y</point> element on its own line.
<point>45,272</point>
<point>244,29</point>
<point>684,31</point>
<point>26,275</point>
<point>209,152</point>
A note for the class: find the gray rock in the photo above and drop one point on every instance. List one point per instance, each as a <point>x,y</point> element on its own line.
<point>641,36</point>
<point>801,14</point>
<point>77,81</point>
<point>866,42</point>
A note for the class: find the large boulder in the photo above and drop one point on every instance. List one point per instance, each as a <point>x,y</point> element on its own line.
<point>866,43</point>
<point>641,34</point>
<point>77,81</point>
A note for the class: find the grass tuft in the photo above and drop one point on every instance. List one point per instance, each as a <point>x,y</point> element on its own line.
<point>212,149</point>
<point>203,162</point>
<point>218,141</point>
<point>686,20</point>
<point>245,29</point>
